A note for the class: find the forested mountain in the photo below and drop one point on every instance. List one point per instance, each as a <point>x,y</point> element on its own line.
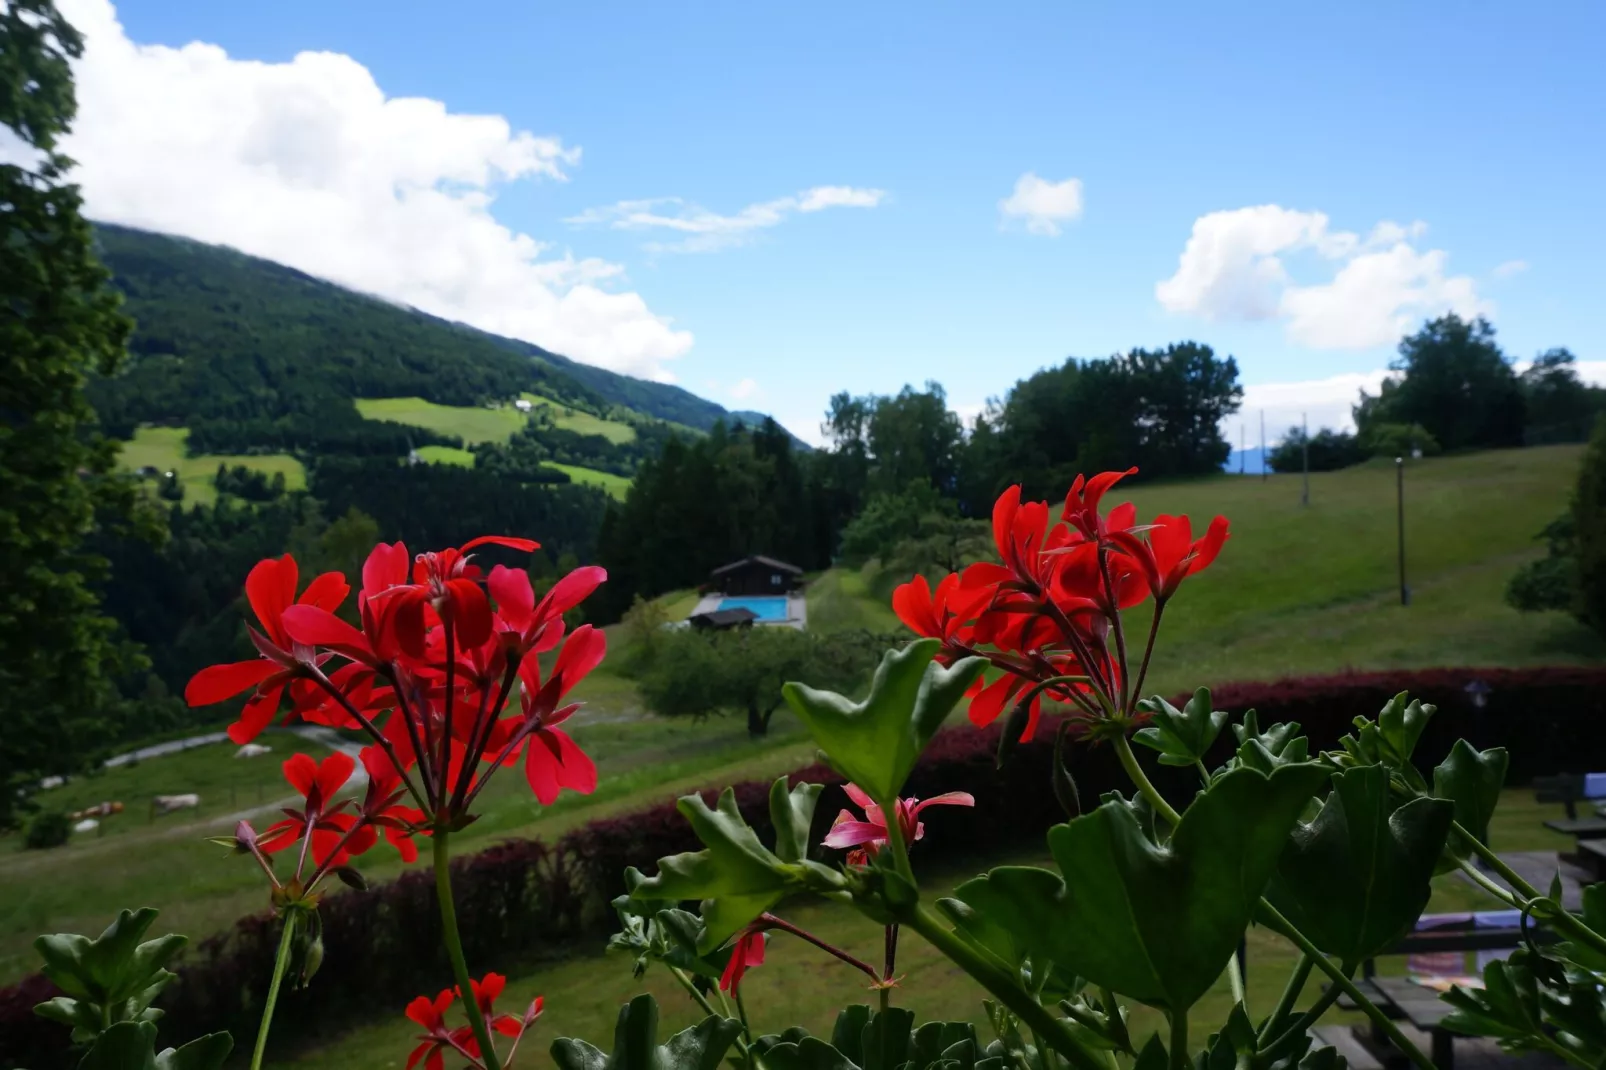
<point>254,356</point>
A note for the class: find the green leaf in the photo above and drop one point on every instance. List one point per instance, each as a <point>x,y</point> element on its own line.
<point>636,1047</point>
<point>1356,878</point>
<point>1391,739</point>
<point>792,812</point>
<point>1153,1056</point>
<point>125,1046</point>
<point>113,978</point>
<point>1181,736</point>
<point>1154,923</point>
<point>1472,780</point>
<point>875,743</point>
<point>736,876</point>
<point>203,1053</point>
<point>1506,1008</point>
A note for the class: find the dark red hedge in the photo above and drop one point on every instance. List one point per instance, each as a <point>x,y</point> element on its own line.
<point>523,900</point>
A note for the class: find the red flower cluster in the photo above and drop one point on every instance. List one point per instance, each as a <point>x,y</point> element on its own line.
<point>438,1037</point>
<point>1048,615</point>
<point>428,672</point>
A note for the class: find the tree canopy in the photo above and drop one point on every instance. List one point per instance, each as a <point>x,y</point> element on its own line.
<point>1455,381</point>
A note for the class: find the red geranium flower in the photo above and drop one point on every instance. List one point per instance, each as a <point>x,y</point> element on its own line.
<point>430,1014</point>
<point>552,760</point>
<point>747,952</point>
<point>336,834</point>
<point>944,614</point>
<point>525,625</point>
<point>867,835</point>
<point>1171,554</point>
<point>486,990</point>
<point>271,589</point>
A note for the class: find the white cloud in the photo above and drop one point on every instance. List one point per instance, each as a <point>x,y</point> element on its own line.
<point>1233,267</point>
<point>1043,205</point>
<point>745,389</point>
<point>1510,268</point>
<point>311,164</point>
<point>708,231</point>
<point>1323,402</point>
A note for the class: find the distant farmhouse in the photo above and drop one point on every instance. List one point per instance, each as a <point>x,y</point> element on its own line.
<point>754,590</point>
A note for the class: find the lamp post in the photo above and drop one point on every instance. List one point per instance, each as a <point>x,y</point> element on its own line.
<point>1399,497</point>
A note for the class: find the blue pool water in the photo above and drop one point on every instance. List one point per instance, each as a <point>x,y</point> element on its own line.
<point>766,608</point>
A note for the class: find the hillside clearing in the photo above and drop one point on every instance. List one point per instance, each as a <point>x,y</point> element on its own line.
<point>470,423</point>
<point>445,455</point>
<point>582,423</point>
<point>162,448</point>
<point>618,486</point>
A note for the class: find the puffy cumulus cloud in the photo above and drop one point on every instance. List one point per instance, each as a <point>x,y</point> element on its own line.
<point>708,231</point>
<point>309,163</point>
<point>1234,267</point>
<point>1041,206</point>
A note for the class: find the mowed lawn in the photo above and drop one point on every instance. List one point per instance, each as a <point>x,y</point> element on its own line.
<point>799,985</point>
<point>162,448</point>
<point>616,485</point>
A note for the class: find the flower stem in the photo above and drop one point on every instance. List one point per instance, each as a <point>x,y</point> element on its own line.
<point>1564,920</point>
<point>1290,998</point>
<point>280,963</point>
<point>1007,988</point>
<point>1179,1040</point>
<point>454,947</point>
<point>1274,920</point>
<point>1141,781</point>
<point>770,921</point>
<point>1148,652</point>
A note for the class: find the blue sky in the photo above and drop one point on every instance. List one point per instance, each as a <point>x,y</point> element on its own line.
<point>1483,123</point>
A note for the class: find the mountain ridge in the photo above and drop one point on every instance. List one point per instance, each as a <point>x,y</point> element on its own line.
<point>259,356</point>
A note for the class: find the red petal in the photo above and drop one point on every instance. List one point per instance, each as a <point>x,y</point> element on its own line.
<point>582,652</point>
<point>1206,549</point>
<point>912,603</point>
<point>573,589</point>
<point>951,798</point>
<point>270,587</point>
<point>851,833</point>
<point>256,715</point>
<point>1004,510</point>
<point>407,620</point>
<point>515,599</point>
<point>316,626</point>
<point>507,1025</point>
<point>302,773</point>
<point>579,772</point>
<point>501,540</point>
<point>385,568</point>
<point>333,772</point>
<point>218,682</point>
<point>326,592</point>
<point>471,613</point>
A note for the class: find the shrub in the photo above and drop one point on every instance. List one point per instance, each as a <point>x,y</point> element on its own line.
<point>48,829</point>
<point>1398,440</point>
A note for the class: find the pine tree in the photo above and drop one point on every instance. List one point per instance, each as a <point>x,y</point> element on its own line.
<point>59,322</point>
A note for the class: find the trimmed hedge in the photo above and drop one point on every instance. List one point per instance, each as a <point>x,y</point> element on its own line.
<point>523,900</point>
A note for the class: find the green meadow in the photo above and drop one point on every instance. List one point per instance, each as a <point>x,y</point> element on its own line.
<point>162,448</point>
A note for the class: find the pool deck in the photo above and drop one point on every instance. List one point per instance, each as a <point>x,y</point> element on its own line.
<point>797,613</point>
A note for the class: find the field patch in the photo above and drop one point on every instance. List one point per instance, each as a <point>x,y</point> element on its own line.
<point>162,448</point>
<point>618,486</point>
<point>471,423</point>
<point>583,423</point>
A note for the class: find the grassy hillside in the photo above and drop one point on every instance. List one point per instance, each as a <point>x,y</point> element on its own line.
<point>618,486</point>
<point>582,423</point>
<point>1315,589</point>
<point>162,448</point>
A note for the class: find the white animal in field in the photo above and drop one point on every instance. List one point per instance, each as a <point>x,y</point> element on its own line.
<point>166,804</point>
<point>88,824</point>
<point>52,782</point>
<point>252,750</point>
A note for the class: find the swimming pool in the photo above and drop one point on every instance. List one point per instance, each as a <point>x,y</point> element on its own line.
<point>769,609</point>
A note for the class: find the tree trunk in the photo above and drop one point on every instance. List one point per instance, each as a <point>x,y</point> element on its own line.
<point>758,724</point>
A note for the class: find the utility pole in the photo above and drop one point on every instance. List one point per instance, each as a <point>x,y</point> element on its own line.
<point>1304,451</point>
<point>1399,497</point>
<point>1265,468</point>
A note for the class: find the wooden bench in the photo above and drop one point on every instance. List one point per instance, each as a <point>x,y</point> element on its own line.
<point>1418,1005</point>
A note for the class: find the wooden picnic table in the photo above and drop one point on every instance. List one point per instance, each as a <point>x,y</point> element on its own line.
<point>1422,1007</point>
